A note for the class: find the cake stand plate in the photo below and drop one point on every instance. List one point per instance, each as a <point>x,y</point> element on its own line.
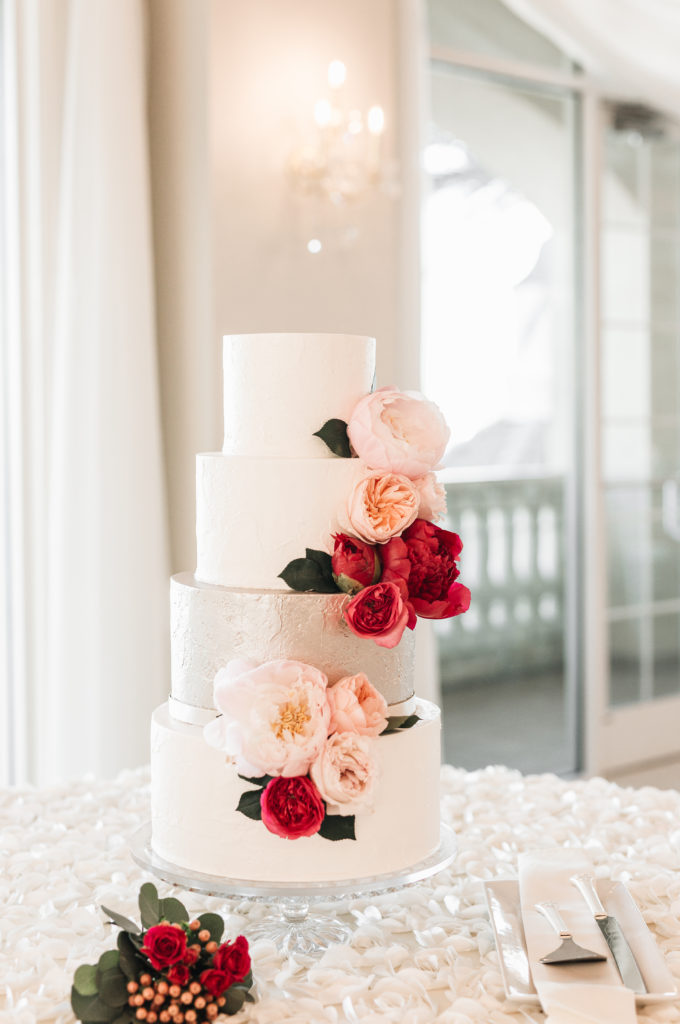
<point>294,929</point>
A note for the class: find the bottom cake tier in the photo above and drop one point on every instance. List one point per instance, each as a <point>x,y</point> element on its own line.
<point>195,823</point>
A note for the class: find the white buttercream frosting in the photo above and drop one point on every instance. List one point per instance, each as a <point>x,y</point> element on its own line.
<point>254,515</point>
<point>212,625</point>
<point>195,824</point>
<point>279,389</point>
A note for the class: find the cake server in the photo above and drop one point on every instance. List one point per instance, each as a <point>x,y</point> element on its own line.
<point>568,952</point>
<point>614,937</point>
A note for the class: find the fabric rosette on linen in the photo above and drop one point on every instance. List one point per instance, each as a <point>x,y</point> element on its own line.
<point>172,967</point>
<point>274,717</point>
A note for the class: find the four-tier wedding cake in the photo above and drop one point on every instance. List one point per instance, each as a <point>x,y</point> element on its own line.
<point>292,746</point>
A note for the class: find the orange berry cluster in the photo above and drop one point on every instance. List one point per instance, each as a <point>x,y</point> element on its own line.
<point>159,1001</point>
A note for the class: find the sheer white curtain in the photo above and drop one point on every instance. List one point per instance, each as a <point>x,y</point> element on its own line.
<point>85,547</point>
<point>631,45</point>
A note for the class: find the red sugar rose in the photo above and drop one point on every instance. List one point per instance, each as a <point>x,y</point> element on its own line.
<point>292,807</point>
<point>379,612</point>
<point>355,563</point>
<point>432,587</point>
<point>164,945</point>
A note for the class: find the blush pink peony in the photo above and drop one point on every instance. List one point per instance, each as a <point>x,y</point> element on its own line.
<point>356,706</point>
<point>398,431</point>
<point>274,717</point>
<point>344,774</point>
<point>381,506</point>
<point>432,498</point>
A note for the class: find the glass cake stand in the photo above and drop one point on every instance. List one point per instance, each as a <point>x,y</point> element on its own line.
<point>293,927</point>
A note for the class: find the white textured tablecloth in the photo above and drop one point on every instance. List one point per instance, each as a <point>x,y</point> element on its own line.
<point>422,955</point>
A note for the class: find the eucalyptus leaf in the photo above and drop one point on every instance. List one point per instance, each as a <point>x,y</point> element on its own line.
<point>249,804</point>
<point>108,960</point>
<point>123,922</point>
<point>92,1009</point>
<point>305,575</point>
<point>214,924</point>
<point>129,961</point>
<point>149,905</point>
<point>126,1017</point>
<point>337,826</point>
<point>234,1000</point>
<point>85,980</point>
<point>113,987</point>
<point>173,910</point>
<point>334,435</point>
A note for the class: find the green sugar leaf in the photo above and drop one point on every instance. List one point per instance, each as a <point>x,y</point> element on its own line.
<point>337,826</point>
<point>334,435</point>
<point>249,804</point>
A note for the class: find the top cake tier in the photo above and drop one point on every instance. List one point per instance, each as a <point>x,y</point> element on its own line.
<point>279,389</point>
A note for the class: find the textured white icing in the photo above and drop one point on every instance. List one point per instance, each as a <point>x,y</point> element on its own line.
<point>279,389</point>
<point>195,824</point>
<point>254,515</point>
<point>210,625</point>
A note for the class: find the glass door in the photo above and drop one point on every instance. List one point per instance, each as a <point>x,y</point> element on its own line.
<point>639,713</point>
<point>497,356</point>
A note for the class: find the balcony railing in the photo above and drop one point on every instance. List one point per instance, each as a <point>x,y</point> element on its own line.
<point>513,562</point>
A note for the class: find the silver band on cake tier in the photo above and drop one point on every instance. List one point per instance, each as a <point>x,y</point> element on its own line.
<point>210,625</point>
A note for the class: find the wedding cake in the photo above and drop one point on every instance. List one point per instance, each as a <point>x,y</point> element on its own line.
<point>292,746</point>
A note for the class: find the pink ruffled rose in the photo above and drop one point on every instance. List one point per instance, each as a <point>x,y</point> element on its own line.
<point>344,773</point>
<point>274,717</point>
<point>382,505</point>
<point>380,613</point>
<point>356,706</point>
<point>398,431</point>
<point>432,498</point>
<point>292,808</point>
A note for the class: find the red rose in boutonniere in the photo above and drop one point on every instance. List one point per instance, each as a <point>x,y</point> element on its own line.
<point>234,958</point>
<point>432,587</point>
<point>380,613</point>
<point>355,563</point>
<point>292,807</point>
<point>164,944</point>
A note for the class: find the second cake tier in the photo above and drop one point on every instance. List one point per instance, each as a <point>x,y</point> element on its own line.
<point>255,515</point>
<point>211,625</point>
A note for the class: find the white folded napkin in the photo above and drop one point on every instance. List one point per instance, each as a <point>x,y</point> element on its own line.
<point>587,993</point>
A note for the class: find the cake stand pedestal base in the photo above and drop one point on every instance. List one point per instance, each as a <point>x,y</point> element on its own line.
<point>292,927</point>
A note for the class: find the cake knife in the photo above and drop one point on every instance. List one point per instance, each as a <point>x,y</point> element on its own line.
<point>613,935</point>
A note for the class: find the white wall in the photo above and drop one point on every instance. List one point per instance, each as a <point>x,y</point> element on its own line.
<point>268,65</point>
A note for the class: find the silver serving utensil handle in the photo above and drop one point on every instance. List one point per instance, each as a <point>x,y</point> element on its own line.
<point>585,884</point>
<point>552,915</point>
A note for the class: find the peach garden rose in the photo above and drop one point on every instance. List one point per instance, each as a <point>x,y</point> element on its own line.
<point>398,431</point>
<point>381,506</point>
<point>356,706</point>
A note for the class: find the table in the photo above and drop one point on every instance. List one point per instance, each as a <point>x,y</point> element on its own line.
<point>425,954</point>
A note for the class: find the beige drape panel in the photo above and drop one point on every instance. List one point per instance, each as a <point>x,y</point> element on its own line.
<point>88,554</point>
